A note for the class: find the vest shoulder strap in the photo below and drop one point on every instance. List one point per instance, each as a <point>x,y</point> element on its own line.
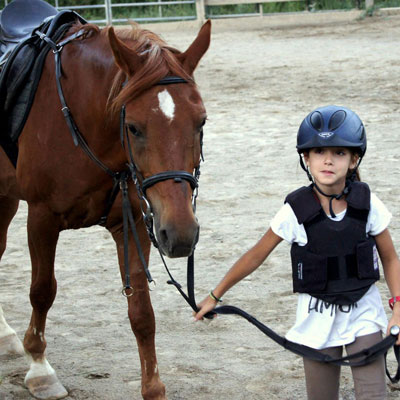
<point>359,196</point>
<point>358,201</point>
<point>304,203</point>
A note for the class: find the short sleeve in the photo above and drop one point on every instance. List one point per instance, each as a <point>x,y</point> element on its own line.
<point>379,217</point>
<point>285,225</point>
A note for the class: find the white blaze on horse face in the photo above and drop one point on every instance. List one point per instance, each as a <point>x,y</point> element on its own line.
<point>167,105</point>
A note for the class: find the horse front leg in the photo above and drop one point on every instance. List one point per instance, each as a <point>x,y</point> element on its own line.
<point>9,341</point>
<point>140,312</point>
<point>43,232</point>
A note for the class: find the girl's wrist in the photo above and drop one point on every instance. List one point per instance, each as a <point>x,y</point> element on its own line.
<point>394,303</point>
<point>214,297</point>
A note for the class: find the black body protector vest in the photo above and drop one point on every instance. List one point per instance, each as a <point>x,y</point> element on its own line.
<point>339,262</point>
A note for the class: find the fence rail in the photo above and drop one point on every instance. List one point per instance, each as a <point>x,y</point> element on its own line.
<point>200,9</point>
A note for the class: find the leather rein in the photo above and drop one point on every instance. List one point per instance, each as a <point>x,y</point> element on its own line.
<point>121,178</point>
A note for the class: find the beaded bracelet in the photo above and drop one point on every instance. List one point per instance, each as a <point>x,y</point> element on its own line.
<point>215,298</point>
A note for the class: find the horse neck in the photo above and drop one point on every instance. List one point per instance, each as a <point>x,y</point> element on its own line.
<point>90,70</point>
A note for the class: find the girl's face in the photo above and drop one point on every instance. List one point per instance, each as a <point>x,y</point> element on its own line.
<point>329,167</point>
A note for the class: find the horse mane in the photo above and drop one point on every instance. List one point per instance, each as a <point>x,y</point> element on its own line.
<point>159,61</point>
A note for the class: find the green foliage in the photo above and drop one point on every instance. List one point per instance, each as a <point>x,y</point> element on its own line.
<point>189,10</point>
<point>386,3</point>
<point>157,11</point>
<point>131,12</point>
<point>289,6</point>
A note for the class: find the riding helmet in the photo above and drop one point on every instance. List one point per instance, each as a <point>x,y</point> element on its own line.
<point>332,126</point>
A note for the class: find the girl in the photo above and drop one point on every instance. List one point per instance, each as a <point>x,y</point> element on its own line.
<point>337,228</point>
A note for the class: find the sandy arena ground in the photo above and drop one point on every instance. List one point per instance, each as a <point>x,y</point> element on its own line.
<point>257,83</point>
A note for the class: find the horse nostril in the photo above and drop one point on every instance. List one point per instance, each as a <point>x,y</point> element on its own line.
<point>163,236</point>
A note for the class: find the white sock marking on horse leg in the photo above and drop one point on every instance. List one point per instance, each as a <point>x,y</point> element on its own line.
<point>42,382</point>
<point>9,341</point>
<point>167,105</point>
<point>5,329</point>
<point>39,369</point>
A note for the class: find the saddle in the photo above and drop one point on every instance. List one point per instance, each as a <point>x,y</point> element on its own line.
<point>19,19</point>
<point>23,60</point>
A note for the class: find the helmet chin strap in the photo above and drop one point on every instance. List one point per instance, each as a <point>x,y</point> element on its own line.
<point>345,191</point>
<point>334,196</point>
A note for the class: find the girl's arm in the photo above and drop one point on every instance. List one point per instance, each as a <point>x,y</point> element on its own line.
<point>249,262</point>
<point>391,268</point>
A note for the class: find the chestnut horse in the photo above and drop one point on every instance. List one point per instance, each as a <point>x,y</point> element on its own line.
<point>105,71</point>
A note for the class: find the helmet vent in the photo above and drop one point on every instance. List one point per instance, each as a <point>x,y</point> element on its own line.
<point>317,121</point>
<point>336,120</point>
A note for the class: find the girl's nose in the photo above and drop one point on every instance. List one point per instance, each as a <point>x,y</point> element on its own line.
<point>328,158</point>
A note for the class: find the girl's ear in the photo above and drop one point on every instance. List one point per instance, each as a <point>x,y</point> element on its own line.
<point>354,160</point>
<point>306,157</point>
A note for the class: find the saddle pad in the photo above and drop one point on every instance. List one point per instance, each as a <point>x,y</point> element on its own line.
<point>20,77</point>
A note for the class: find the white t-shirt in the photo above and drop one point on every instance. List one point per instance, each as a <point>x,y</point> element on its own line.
<point>318,324</point>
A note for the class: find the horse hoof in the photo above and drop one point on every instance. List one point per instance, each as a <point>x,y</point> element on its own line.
<point>11,345</point>
<point>46,387</point>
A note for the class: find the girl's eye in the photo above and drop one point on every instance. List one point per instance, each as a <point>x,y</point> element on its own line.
<point>133,130</point>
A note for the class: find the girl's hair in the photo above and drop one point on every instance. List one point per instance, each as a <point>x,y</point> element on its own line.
<point>355,156</point>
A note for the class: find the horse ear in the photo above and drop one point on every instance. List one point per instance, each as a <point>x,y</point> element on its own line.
<point>125,58</point>
<point>191,57</point>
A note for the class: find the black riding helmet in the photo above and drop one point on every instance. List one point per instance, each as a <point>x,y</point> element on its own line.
<point>332,126</point>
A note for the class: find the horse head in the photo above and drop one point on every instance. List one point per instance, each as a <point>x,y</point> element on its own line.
<point>163,123</point>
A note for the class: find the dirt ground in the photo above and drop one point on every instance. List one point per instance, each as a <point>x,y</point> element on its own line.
<point>257,83</point>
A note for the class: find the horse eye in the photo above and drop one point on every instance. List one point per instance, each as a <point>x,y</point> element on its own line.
<point>202,123</point>
<point>133,130</point>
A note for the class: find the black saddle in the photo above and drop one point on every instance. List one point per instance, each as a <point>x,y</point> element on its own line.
<point>22,69</point>
<point>18,20</point>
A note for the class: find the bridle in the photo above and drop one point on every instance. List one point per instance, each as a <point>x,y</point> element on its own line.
<point>143,184</point>
<point>120,178</point>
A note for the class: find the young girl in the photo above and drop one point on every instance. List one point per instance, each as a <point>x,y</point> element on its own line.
<point>337,228</point>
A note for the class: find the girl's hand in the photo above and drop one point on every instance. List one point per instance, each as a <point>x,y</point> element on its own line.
<point>207,305</point>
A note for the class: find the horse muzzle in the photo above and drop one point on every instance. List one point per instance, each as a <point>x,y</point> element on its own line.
<point>176,241</point>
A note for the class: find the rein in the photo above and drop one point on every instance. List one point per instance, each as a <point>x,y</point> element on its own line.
<point>120,180</point>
